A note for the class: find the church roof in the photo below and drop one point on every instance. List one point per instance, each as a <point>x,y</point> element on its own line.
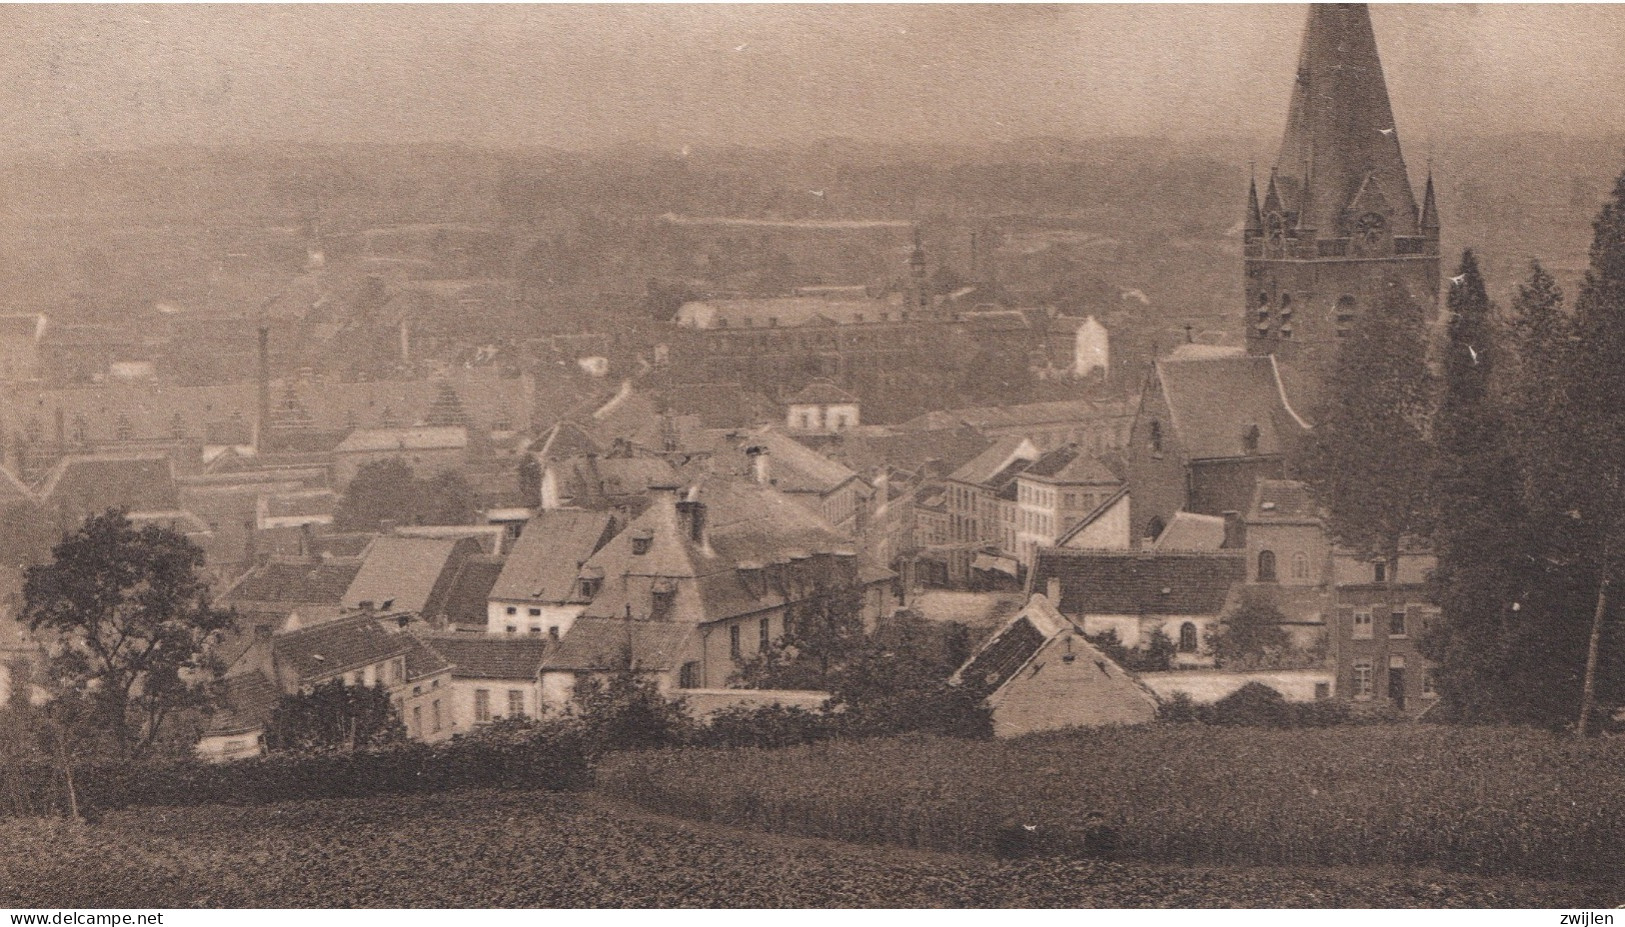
<point>1217,402</point>
<point>1340,133</point>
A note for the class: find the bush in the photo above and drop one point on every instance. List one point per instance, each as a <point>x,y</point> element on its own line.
<point>1257,705</point>
<point>1253,704</point>
<point>541,756</point>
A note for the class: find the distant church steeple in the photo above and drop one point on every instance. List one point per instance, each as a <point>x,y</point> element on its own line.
<point>1339,230</point>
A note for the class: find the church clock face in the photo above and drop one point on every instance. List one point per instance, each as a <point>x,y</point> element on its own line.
<point>1369,230</point>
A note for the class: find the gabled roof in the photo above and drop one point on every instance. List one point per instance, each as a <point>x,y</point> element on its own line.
<point>984,467</point>
<point>465,601</point>
<point>1070,464</point>
<point>80,485</point>
<point>1114,499</point>
<point>488,657</point>
<point>567,439</point>
<point>1004,653</point>
<point>338,646</point>
<point>247,701</point>
<point>1094,582</point>
<point>822,392</point>
<point>407,572</point>
<point>422,660</point>
<point>598,644</point>
<point>1217,402</point>
<point>792,466</point>
<point>295,582</point>
<point>592,477</point>
<point>547,559</point>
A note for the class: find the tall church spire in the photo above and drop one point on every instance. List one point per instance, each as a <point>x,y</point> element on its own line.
<point>1341,124</point>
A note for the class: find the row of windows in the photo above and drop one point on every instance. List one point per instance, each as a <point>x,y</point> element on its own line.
<point>764,638</point>
<point>482,704</point>
<point>1364,680</point>
<point>1267,568</point>
<point>1365,623</point>
<point>434,718</point>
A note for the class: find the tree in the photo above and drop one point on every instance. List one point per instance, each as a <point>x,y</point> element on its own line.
<point>1250,636</point>
<point>625,710</point>
<point>335,715</point>
<point>1596,381</point>
<point>1367,459</point>
<point>1480,582</point>
<point>128,621</point>
<point>823,635</point>
<point>388,491</point>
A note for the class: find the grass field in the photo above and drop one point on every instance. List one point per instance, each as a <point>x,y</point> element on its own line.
<point>536,849</point>
<point>1484,800</point>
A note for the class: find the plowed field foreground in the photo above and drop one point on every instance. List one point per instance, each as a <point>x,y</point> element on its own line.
<point>534,849</point>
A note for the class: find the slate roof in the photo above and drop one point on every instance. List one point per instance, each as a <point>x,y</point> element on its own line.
<point>1139,582</point>
<point>421,659</point>
<point>247,701</point>
<point>984,467</point>
<point>792,466</point>
<point>1070,464</point>
<point>546,560</point>
<point>81,485</point>
<point>295,582</point>
<point>488,657</point>
<point>465,601</point>
<point>598,644</point>
<point>587,478</point>
<point>1009,648</point>
<point>929,453</point>
<point>413,573</point>
<point>1190,531</point>
<point>325,650</point>
<point>1214,402</point>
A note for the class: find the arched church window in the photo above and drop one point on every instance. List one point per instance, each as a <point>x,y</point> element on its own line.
<point>1187,637</point>
<point>1266,566</point>
<point>1300,565</point>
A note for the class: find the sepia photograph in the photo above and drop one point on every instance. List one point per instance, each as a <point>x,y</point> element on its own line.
<point>669,456</point>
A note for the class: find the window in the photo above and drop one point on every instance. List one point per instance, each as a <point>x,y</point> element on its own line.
<point>513,629</point>
<point>733,641</point>
<point>1430,682</point>
<point>1153,528</point>
<point>1396,623</point>
<point>512,610</point>
<point>1249,440</point>
<point>535,630</point>
<point>1300,565</point>
<point>1362,679</point>
<point>1379,572</point>
<point>689,676</point>
<point>640,544</point>
<point>482,705</point>
<point>535,613</point>
<point>1156,437</point>
<point>1362,626</point>
<point>1266,566</point>
<point>1323,690</point>
<point>434,714</point>
<point>1187,637</point>
<point>516,703</point>
<point>1345,316</point>
<point>553,632</point>
<point>417,719</point>
<point>763,635</point>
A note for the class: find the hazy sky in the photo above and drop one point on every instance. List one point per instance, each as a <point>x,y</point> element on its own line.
<point>581,76</point>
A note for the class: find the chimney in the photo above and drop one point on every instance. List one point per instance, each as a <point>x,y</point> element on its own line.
<point>760,467</point>
<point>1052,591</point>
<point>1235,531</point>
<point>691,520</point>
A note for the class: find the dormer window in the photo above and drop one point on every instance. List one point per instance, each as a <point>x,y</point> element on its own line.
<point>587,587</point>
<point>1249,440</point>
<point>661,598</point>
<point>641,542</point>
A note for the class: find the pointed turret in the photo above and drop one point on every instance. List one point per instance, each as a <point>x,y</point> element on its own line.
<point>1430,211</point>
<point>1341,123</point>
<point>1272,196</point>
<point>1255,219</point>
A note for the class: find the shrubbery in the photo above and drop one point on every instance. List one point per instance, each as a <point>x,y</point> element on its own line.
<point>1254,705</point>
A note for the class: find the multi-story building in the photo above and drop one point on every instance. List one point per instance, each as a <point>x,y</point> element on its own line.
<point>1054,493</point>
<point>1382,610</point>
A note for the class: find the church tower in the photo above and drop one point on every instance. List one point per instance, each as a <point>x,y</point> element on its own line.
<point>1339,230</point>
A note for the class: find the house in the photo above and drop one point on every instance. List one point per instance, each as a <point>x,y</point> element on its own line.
<point>729,557</point>
<point>607,484</point>
<point>1381,610</point>
<point>976,492</point>
<point>80,485</point>
<point>1106,528</point>
<point>1137,593</point>
<point>268,594</point>
<point>409,574</point>
<point>821,408</point>
<point>545,585</point>
<point>1054,493</point>
<point>1041,674</point>
<point>1096,425</point>
<point>465,605</point>
<point>1210,425</point>
<point>235,730</point>
<point>492,678</point>
<point>666,652</point>
<point>428,450</point>
<point>823,486</point>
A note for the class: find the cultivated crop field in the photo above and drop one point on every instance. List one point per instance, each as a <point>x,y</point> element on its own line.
<point>1484,800</point>
<point>537,849</point>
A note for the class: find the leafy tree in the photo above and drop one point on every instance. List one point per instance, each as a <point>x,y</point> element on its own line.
<point>1250,636</point>
<point>128,620</point>
<point>1368,457</point>
<point>335,715</point>
<point>625,710</point>
<point>388,490</point>
<point>823,635</point>
<point>1156,656</point>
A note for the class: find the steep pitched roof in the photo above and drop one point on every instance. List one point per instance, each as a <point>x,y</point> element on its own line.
<point>1218,402</point>
<point>295,582</point>
<point>247,701</point>
<point>1070,464</point>
<point>465,601</point>
<point>408,572</point>
<point>1283,502</point>
<point>984,467</point>
<point>547,559</point>
<point>421,659</point>
<point>1008,649</point>
<point>1190,531</point>
<point>1340,124</point>
<point>488,657</point>
<point>1139,583</point>
<point>822,392</point>
<point>597,644</point>
<point>337,646</point>
<point>792,466</point>
<point>81,485</point>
